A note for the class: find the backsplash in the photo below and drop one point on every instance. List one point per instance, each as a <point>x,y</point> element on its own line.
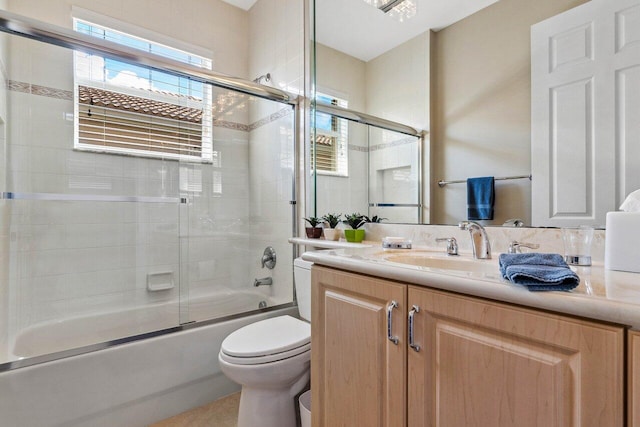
<point>549,239</point>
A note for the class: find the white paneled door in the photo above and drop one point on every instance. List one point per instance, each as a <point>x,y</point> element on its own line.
<point>585,87</point>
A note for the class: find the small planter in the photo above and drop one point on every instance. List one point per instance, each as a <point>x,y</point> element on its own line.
<point>313,232</point>
<point>355,236</point>
<point>331,234</point>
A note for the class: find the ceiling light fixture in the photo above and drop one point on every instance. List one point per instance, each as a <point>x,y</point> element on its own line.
<point>386,7</point>
<point>397,9</point>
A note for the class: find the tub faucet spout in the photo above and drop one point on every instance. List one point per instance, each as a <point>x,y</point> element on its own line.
<point>479,239</point>
<point>265,281</point>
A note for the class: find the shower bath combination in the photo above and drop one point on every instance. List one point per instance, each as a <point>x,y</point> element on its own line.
<point>109,247</point>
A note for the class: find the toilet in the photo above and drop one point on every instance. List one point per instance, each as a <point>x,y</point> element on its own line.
<point>271,360</point>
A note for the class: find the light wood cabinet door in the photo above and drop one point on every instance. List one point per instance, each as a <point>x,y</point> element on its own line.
<point>633,372</point>
<point>489,364</point>
<point>358,375</point>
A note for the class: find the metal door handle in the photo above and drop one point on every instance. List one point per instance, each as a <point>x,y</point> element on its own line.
<point>390,308</point>
<point>415,309</point>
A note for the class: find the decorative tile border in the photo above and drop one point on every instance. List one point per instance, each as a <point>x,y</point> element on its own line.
<point>230,125</point>
<point>404,141</point>
<point>67,95</point>
<point>408,140</point>
<point>284,112</point>
<point>50,92</point>
<point>353,147</point>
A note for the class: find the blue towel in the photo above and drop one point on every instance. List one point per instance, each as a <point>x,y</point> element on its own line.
<point>538,272</point>
<point>480,198</point>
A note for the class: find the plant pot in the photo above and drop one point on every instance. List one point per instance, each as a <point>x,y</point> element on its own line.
<point>331,234</point>
<point>313,232</point>
<point>355,236</point>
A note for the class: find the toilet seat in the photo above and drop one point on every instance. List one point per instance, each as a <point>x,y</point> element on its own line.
<point>267,341</point>
<point>265,359</point>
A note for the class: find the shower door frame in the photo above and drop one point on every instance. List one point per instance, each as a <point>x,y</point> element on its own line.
<point>21,26</point>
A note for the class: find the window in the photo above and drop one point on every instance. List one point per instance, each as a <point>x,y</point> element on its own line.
<point>129,109</point>
<point>330,150</point>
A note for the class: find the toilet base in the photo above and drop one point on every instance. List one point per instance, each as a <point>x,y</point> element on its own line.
<point>270,407</point>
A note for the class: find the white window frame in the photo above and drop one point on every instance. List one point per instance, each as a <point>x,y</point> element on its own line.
<point>206,149</point>
<point>341,137</point>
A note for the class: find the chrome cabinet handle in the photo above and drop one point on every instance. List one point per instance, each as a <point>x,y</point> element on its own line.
<point>390,308</point>
<point>415,309</point>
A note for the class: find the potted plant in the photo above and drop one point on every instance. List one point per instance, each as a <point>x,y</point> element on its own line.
<point>313,232</point>
<point>355,234</point>
<point>374,218</point>
<point>332,220</point>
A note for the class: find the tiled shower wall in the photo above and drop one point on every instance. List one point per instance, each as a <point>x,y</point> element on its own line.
<point>347,195</point>
<point>73,258</point>
<point>276,46</point>
<point>393,86</point>
<point>393,175</point>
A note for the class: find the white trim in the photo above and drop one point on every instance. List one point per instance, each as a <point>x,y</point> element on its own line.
<point>207,122</point>
<point>138,31</point>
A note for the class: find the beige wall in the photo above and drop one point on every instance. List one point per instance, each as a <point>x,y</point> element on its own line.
<point>341,75</point>
<point>398,83</point>
<point>211,24</point>
<point>481,122</point>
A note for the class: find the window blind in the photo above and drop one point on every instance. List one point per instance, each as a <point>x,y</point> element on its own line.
<point>131,109</point>
<point>325,153</point>
<point>110,119</point>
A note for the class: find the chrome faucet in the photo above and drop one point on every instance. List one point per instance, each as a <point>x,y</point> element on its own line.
<point>479,239</point>
<point>265,281</point>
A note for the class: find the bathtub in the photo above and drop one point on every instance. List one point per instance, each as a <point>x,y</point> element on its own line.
<point>80,331</point>
<point>131,384</point>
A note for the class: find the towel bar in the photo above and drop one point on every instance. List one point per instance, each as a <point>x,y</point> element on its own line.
<point>442,183</point>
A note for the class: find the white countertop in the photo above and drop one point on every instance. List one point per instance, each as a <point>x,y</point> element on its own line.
<point>328,244</point>
<point>606,295</point>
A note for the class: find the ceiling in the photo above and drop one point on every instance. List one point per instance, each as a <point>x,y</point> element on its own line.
<point>364,32</point>
<point>242,4</point>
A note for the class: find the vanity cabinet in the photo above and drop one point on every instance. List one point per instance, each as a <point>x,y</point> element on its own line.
<point>483,363</point>
<point>358,374</point>
<point>474,362</point>
<point>634,378</point>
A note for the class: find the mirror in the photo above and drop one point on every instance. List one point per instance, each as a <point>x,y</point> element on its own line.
<point>460,70</point>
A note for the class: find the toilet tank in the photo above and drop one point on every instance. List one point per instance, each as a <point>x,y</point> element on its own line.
<point>302,280</point>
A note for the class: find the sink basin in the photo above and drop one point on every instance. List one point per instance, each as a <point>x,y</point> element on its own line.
<point>446,263</point>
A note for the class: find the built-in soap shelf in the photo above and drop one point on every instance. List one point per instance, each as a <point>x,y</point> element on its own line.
<point>160,281</point>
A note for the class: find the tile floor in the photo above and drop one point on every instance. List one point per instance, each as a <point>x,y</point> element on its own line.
<point>221,413</point>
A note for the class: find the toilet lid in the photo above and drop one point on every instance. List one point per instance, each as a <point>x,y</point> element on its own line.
<point>266,337</point>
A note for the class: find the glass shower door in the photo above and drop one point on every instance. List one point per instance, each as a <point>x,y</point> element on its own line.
<point>90,247</point>
<point>394,176</point>
<point>238,205</point>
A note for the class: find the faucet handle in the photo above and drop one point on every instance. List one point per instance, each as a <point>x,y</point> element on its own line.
<point>268,258</point>
<point>514,246</point>
<point>452,244</point>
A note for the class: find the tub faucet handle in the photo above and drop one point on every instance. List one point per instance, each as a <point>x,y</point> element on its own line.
<point>268,258</point>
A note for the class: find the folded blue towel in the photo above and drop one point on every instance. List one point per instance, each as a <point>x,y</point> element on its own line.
<point>480,197</point>
<point>538,272</point>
